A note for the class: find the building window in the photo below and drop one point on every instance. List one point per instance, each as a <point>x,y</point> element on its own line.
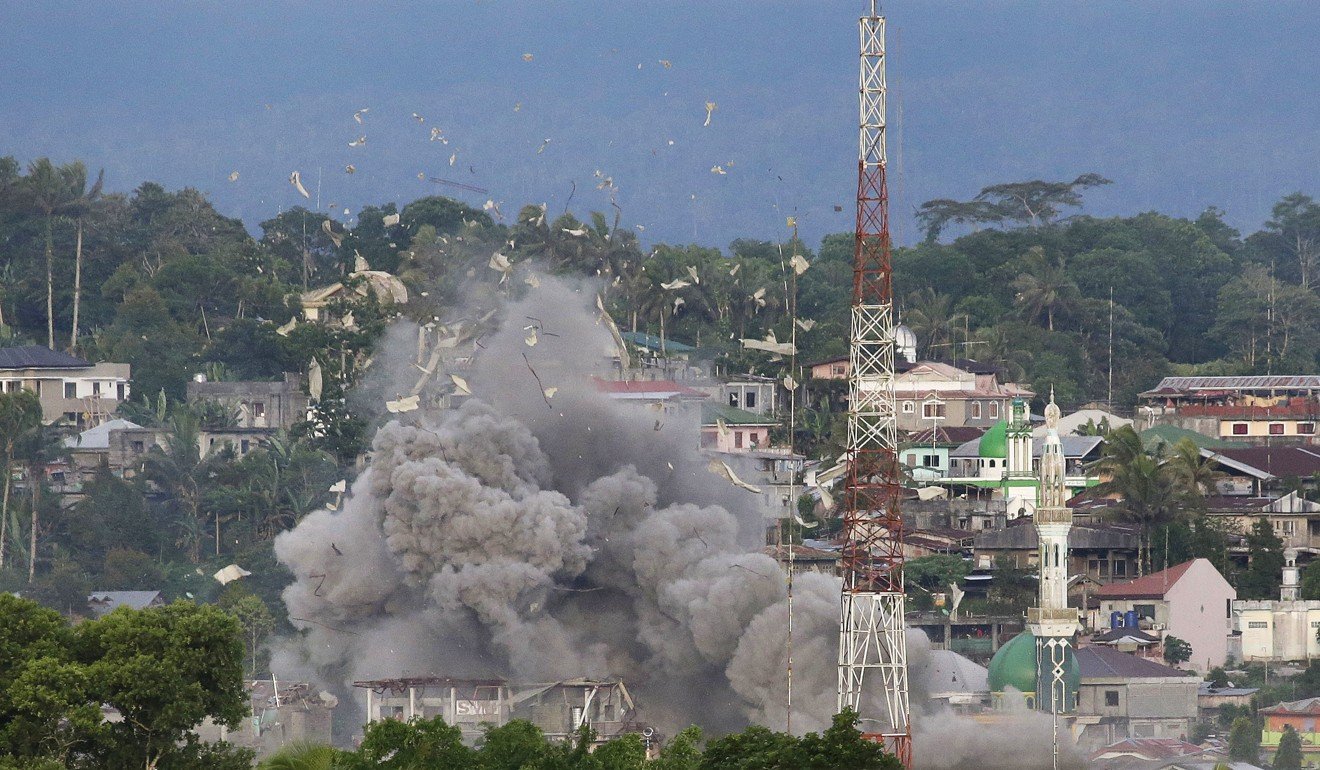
<point>1239,429</point>
<point>244,445</point>
<point>930,461</point>
<point>1120,568</point>
<point>1288,528</point>
<point>932,409</point>
<point>737,439</point>
<point>71,417</point>
<point>96,388</point>
<point>838,370</point>
<point>976,410</point>
<point>733,399</point>
<point>70,390</point>
<point>1111,698</point>
<point>749,399</point>
<point>994,410</point>
<point>139,447</point>
<point>1276,429</point>
<point>258,408</point>
<point>1145,611</point>
<point>909,407</point>
<point>119,391</point>
<point>1258,624</point>
<point>1306,428</point>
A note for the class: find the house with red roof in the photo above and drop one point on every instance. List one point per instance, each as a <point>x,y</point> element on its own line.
<point>1190,601</point>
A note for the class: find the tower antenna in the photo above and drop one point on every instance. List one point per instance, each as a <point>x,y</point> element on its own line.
<point>871,623</point>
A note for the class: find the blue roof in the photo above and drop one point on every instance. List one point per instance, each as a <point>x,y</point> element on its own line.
<point>652,342</point>
<point>38,357</point>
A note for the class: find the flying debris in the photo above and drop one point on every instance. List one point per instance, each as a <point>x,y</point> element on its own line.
<point>350,168</point>
<point>678,302</point>
<point>722,469</point>
<point>790,222</point>
<point>501,263</point>
<point>421,176</point>
<point>284,330</point>
<point>531,339</point>
<point>453,158</point>
<point>418,118</point>
<point>717,169</point>
<point>517,106</point>
<point>666,63</point>
<point>361,140</point>
<point>710,108</point>
<point>692,271</point>
<point>541,149</point>
<point>580,232</point>
<point>758,297</point>
<point>438,135</point>
<point>550,392</point>
<point>336,238</point>
<point>358,115</point>
<point>722,427</point>
<point>295,179</point>
<point>461,385</point>
<point>399,406</point>
<point>736,267</point>
<point>339,486</point>
<point>770,345</point>
<point>233,572</point>
<point>799,263</point>
<point>390,220</point>
<point>532,281</point>
<point>233,176</point>
<point>314,380</point>
<point>789,382</point>
<point>527,57</point>
<point>491,205</point>
<point>677,283</point>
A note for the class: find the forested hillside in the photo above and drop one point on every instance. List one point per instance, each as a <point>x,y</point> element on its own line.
<point>160,280</point>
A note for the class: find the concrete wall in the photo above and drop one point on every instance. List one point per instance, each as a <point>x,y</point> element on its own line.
<point>1200,613</point>
<point>1278,631</point>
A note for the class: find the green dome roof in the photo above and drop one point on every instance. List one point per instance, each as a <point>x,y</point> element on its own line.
<point>1014,665</point>
<point>994,443</point>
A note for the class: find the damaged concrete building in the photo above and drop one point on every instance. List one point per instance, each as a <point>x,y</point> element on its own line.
<point>280,713</point>
<point>557,708</point>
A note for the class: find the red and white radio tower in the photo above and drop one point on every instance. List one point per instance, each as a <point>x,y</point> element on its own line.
<point>871,628</point>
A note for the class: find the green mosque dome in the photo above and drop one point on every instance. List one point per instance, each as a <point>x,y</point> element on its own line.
<point>994,443</point>
<point>1014,665</point>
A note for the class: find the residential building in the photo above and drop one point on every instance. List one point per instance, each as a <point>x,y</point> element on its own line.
<point>1302,716</point>
<point>805,558</point>
<point>662,357</point>
<point>1150,752</point>
<point>1102,552</point>
<point>1294,519</point>
<point>256,404</point>
<point>759,395</point>
<point>1210,699</point>
<point>1254,470</point>
<point>1124,696</point>
<point>932,394</point>
<point>88,449</point>
<point>1280,630</point>
<point>102,602</point>
<point>730,429</point>
<point>279,714</point>
<point>664,396</point>
<point>836,368</point>
<point>1257,409</point>
<point>926,452</point>
<point>71,389</point>
<point>559,709</point>
<point>1190,601</point>
<point>323,305</point>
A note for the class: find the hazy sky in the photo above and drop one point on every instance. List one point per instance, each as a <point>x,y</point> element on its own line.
<point>1182,104</point>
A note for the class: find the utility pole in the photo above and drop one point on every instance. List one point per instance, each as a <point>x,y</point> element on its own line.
<point>871,622</point>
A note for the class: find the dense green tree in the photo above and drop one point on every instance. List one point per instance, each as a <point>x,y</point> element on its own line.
<point>1261,578</point>
<point>1176,651</point>
<point>1289,755</point>
<point>20,415</point>
<point>1244,741</point>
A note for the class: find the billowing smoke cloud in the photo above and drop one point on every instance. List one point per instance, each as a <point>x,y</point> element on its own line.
<point>545,537</point>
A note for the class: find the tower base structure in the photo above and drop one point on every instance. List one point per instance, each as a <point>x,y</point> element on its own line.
<point>872,643</point>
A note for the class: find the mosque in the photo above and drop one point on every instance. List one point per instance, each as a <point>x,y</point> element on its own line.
<point>1003,461</point>
<point>1041,662</point>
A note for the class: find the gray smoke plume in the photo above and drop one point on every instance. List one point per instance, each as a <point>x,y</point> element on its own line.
<point>545,537</point>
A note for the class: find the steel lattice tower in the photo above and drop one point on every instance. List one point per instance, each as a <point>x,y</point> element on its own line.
<point>871,625</point>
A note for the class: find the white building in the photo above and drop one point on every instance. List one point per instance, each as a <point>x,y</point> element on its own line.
<point>79,392</point>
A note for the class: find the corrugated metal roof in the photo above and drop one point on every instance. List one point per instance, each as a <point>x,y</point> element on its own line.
<point>1106,663</point>
<point>1250,382</point>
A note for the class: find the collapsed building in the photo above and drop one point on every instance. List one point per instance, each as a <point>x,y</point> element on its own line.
<point>558,709</point>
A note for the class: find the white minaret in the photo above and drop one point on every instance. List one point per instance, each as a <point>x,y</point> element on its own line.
<point>1288,589</point>
<point>1052,621</point>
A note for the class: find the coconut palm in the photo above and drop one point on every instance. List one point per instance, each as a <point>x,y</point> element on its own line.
<point>78,208</point>
<point>20,415</point>
<point>1196,475</point>
<point>51,191</point>
<point>181,472</point>
<point>1045,290</point>
<point>932,318</point>
<point>301,756</point>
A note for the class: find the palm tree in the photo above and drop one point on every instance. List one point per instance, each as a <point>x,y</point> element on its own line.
<point>181,472</point>
<point>931,316</point>
<point>20,414</point>
<point>50,191</point>
<point>1147,487</point>
<point>301,756</point>
<point>1046,290</point>
<point>79,207</point>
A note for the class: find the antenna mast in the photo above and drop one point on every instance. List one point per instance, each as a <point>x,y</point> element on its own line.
<point>871,624</point>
